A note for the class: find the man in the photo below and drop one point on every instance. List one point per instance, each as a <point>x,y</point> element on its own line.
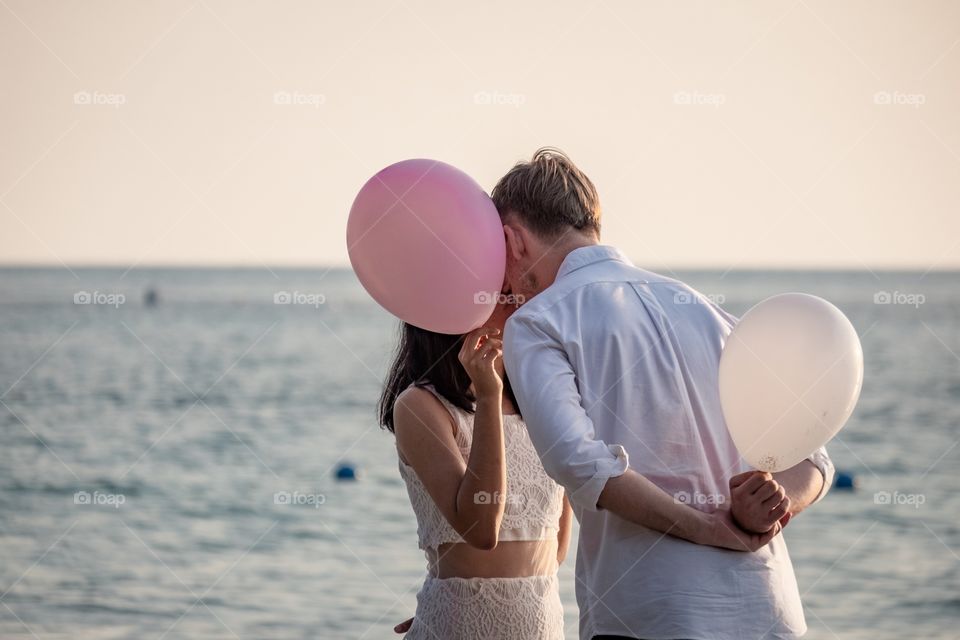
<point>615,372</point>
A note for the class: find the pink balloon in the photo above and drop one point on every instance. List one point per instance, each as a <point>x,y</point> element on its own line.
<point>427,243</point>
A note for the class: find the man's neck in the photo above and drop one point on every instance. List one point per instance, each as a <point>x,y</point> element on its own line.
<point>556,254</point>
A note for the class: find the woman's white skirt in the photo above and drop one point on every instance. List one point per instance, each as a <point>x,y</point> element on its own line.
<point>489,608</point>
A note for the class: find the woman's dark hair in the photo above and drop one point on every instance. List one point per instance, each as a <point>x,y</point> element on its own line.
<point>428,358</point>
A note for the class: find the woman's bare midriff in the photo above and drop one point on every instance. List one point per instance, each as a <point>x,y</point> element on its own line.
<point>510,559</point>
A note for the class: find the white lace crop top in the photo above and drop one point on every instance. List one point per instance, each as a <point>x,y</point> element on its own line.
<point>533,502</point>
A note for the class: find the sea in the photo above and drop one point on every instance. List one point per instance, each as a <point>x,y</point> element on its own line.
<point>194,453</point>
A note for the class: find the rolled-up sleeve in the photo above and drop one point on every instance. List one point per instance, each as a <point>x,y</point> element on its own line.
<point>561,431</point>
<point>822,461</point>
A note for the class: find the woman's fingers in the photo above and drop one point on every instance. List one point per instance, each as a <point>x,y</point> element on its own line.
<point>475,337</point>
<point>482,355</point>
<point>489,347</point>
<point>472,341</point>
<point>489,355</point>
<point>492,342</point>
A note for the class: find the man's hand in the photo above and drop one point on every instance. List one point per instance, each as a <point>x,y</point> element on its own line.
<point>758,502</point>
<point>722,531</point>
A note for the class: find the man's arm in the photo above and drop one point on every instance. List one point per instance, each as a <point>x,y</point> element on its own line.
<point>804,484</point>
<point>807,482</point>
<point>596,474</point>
<point>546,390</point>
<point>635,498</point>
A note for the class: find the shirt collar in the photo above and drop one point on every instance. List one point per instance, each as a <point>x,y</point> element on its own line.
<point>579,258</point>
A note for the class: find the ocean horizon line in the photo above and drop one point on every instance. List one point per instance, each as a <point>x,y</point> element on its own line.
<point>191,266</point>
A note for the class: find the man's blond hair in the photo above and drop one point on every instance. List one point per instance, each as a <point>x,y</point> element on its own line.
<point>549,195</point>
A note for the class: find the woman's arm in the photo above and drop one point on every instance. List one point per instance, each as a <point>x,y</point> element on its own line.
<point>468,493</point>
<point>565,528</point>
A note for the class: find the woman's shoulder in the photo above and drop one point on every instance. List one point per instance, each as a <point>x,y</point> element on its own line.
<point>420,393</point>
<point>423,403</point>
<point>417,413</point>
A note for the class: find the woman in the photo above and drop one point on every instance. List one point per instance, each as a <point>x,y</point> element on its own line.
<point>494,527</point>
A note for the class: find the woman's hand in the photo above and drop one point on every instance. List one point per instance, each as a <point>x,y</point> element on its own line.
<point>478,355</point>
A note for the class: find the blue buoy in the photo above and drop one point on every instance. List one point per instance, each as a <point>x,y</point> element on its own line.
<point>845,480</point>
<point>346,471</point>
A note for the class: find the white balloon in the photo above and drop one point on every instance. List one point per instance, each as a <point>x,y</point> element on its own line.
<point>790,376</point>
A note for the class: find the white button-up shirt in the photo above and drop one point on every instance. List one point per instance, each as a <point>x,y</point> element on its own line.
<point>611,366</point>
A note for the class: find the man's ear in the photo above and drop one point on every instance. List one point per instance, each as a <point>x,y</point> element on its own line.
<point>515,243</point>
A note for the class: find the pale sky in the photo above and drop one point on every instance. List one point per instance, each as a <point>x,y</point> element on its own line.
<point>793,134</point>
